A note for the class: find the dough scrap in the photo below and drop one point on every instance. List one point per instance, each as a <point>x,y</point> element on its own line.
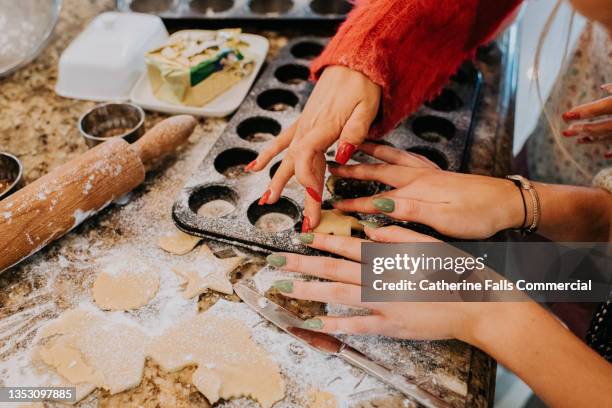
<point>230,364</point>
<point>321,399</point>
<point>124,285</point>
<point>177,242</point>
<point>335,222</point>
<point>207,272</point>
<point>89,348</point>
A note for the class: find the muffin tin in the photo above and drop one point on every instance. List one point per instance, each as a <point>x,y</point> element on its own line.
<point>440,130</point>
<point>241,9</point>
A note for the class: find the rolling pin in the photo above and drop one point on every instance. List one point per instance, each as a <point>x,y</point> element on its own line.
<point>56,203</point>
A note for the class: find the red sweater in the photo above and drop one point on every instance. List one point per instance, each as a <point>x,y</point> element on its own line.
<point>411,47</point>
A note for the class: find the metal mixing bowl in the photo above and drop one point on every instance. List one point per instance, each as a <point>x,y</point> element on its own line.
<point>27,26</point>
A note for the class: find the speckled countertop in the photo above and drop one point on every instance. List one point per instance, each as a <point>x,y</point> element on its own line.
<point>40,128</point>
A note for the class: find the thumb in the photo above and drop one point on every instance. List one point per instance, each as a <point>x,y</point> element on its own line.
<point>355,131</point>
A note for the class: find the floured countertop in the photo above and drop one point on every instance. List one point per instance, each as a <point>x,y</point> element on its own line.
<point>41,129</point>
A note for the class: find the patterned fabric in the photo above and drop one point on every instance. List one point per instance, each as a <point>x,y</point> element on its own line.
<point>599,336</point>
<point>589,68</point>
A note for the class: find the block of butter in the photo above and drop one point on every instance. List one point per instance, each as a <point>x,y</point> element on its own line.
<point>195,66</point>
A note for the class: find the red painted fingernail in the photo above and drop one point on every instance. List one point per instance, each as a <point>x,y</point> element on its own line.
<point>608,155</point>
<point>250,166</point>
<point>569,133</point>
<point>264,197</point>
<point>314,194</point>
<point>571,116</point>
<point>306,224</point>
<point>345,151</point>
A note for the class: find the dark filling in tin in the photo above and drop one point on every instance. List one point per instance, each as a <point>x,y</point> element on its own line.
<point>352,188</point>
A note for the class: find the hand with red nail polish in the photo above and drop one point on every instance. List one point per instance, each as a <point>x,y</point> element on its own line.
<point>314,194</point>
<point>328,117</point>
<point>306,224</point>
<point>345,151</point>
<point>264,198</point>
<point>595,126</point>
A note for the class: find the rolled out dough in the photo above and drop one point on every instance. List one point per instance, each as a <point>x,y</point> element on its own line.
<point>335,222</point>
<point>88,348</point>
<point>207,272</point>
<point>321,399</point>
<point>177,242</point>
<point>230,364</point>
<point>125,285</point>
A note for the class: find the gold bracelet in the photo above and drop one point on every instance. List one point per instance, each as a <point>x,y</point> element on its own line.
<point>535,201</point>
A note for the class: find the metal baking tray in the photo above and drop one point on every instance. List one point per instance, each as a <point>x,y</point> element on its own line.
<point>332,10</point>
<point>439,130</point>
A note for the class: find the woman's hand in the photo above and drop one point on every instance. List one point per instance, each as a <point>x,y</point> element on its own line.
<point>595,131</point>
<point>520,335</point>
<point>343,105</point>
<point>457,205</point>
<point>408,320</point>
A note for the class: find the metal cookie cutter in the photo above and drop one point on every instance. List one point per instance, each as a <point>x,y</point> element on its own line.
<point>113,119</point>
<point>11,173</point>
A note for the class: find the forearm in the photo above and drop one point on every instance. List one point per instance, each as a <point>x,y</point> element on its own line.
<point>559,367</point>
<point>574,214</point>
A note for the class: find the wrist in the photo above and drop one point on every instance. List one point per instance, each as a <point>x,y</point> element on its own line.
<point>498,322</point>
<point>514,211</point>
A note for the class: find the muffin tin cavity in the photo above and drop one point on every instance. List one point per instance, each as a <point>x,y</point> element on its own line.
<point>208,7</point>
<point>231,162</point>
<point>278,217</point>
<point>261,11</point>
<point>292,74</point>
<point>271,7</point>
<point>213,201</point>
<point>433,128</point>
<point>326,7</point>
<point>277,100</point>
<point>274,103</point>
<point>258,129</point>
<point>307,50</point>
<point>447,101</point>
<point>151,6</point>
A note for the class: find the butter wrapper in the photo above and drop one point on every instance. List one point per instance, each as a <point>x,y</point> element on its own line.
<point>196,66</point>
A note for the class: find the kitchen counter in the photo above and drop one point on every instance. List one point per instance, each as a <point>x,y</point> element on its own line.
<point>41,129</point>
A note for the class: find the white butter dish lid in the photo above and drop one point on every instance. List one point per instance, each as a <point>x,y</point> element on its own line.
<point>106,59</point>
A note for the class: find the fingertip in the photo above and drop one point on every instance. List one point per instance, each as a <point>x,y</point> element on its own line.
<point>570,115</point>
<point>345,151</point>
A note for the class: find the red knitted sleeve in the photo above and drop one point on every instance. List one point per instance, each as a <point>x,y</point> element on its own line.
<point>411,47</point>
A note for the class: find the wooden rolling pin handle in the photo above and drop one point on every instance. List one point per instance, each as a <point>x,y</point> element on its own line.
<point>164,138</point>
<point>48,208</point>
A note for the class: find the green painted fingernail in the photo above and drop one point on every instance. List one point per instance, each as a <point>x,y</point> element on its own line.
<point>276,260</point>
<point>306,237</point>
<point>285,286</point>
<point>315,324</point>
<point>384,204</point>
<point>369,224</point>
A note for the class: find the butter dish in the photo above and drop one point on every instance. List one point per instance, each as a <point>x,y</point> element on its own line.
<point>255,47</point>
<point>107,58</point>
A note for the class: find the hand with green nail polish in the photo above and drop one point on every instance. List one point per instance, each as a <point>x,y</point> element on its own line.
<point>276,260</point>
<point>469,206</point>
<point>526,337</point>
